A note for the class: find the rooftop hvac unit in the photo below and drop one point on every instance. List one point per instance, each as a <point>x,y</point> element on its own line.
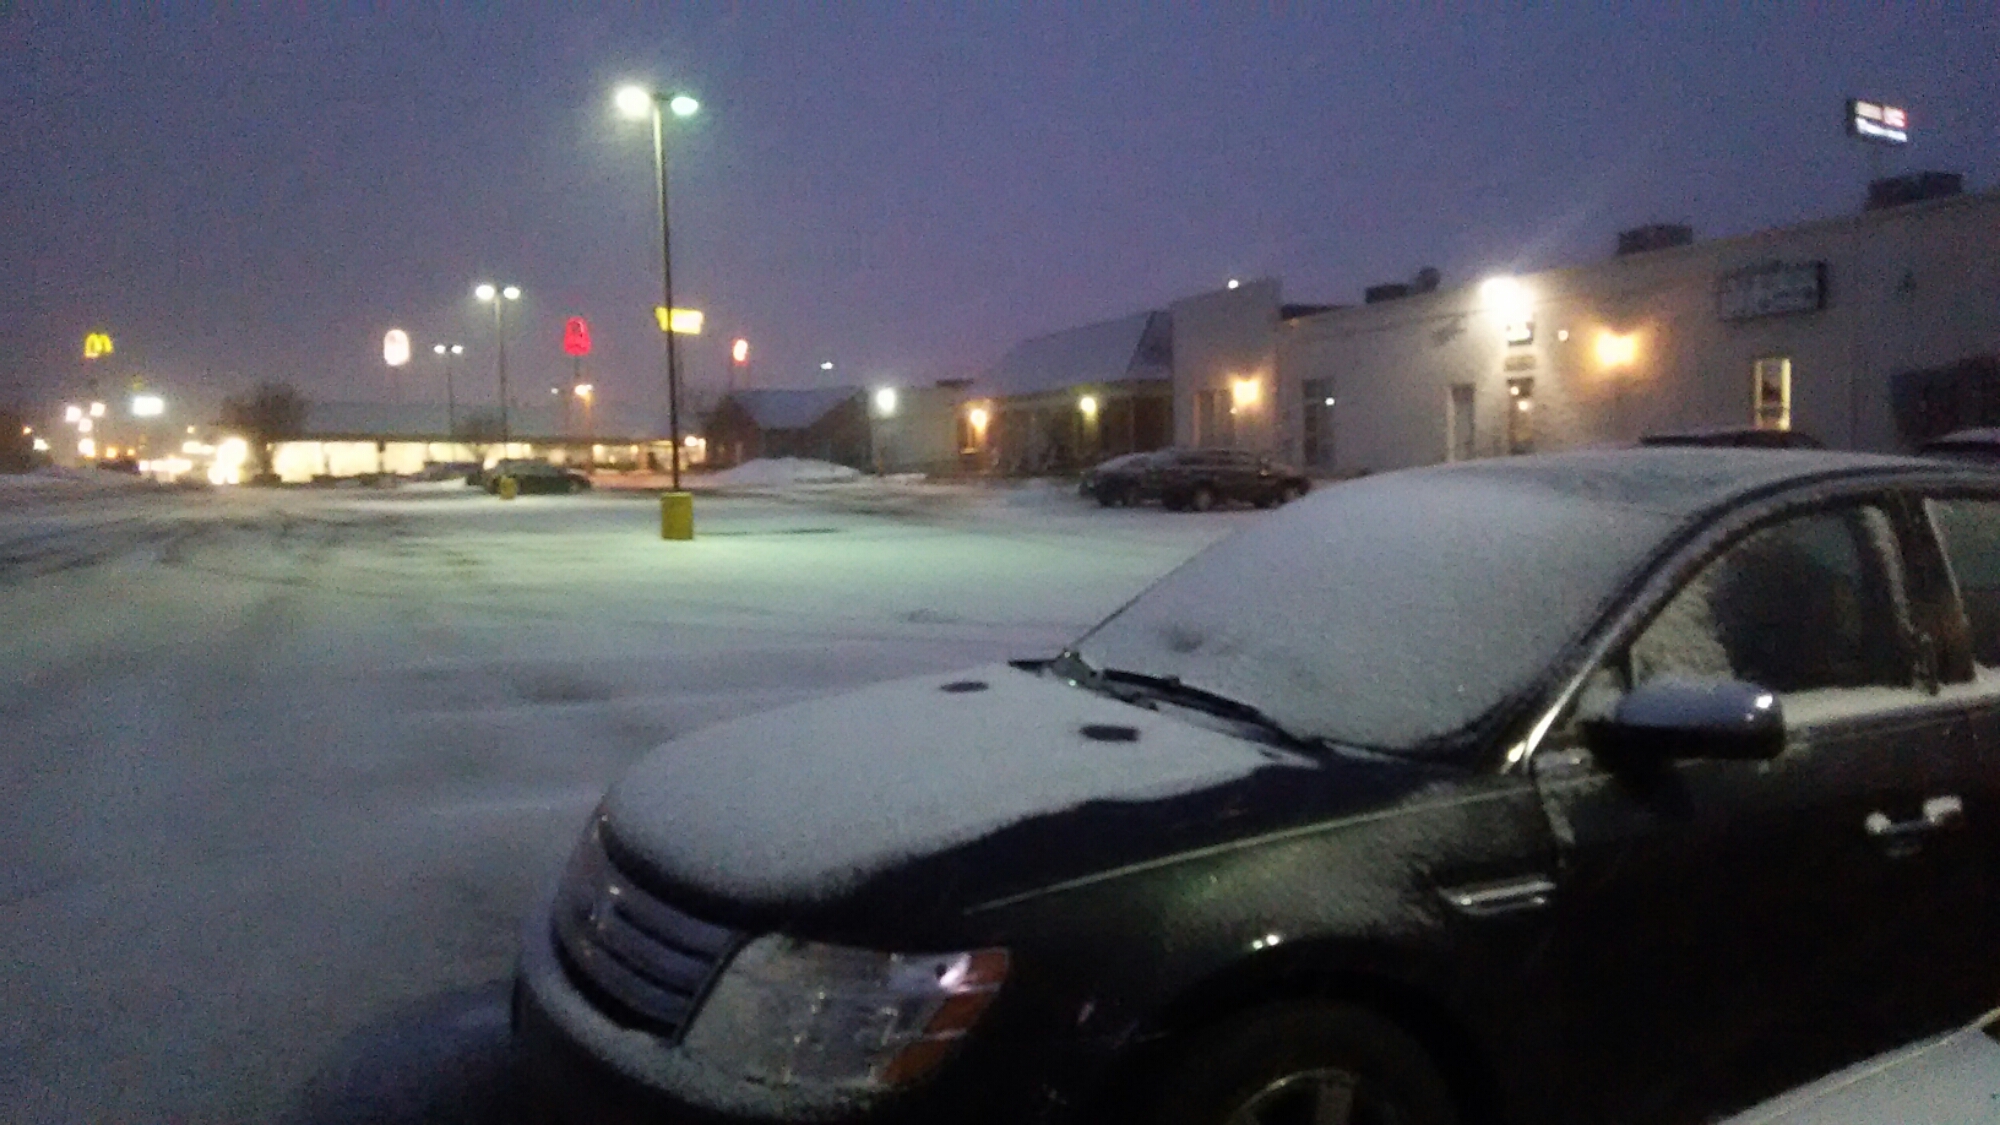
<point>1658,236</point>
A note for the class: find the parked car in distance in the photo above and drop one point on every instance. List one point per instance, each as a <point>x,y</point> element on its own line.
<point>535,476</point>
<point>1981,446</point>
<point>1950,1080</point>
<point>1119,482</point>
<point>1736,437</point>
<point>1631,786</point>
<point>1199,479</point>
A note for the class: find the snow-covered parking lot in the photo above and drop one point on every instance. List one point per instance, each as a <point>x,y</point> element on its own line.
<point>283,769</point>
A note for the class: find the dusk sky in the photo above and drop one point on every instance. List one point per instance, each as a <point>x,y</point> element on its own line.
<point>906,190</point>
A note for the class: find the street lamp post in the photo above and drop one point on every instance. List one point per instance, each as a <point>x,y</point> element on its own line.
<point>444,352</point>
<point>635,102</point>
<point>500,297</point>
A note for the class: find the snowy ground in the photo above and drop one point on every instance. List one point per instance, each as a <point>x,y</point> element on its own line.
<point>282,770</point>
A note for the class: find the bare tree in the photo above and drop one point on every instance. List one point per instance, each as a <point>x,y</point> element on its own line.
<point>267,415</point>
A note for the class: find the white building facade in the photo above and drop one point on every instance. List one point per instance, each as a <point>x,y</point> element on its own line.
<point>1869,331</point>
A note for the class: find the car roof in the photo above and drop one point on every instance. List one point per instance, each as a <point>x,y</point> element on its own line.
<point>1981,436</point>
<point>1685,481</point>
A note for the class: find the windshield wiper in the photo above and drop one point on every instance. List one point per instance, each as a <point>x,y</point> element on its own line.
<point>1145,690</point>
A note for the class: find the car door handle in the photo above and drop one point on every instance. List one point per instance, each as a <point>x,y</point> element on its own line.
<point>1938,812</point>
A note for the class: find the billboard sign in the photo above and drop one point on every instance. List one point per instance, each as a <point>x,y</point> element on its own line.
<point>97,345</point>
<point>396,347</point>
<point>1873,121</point>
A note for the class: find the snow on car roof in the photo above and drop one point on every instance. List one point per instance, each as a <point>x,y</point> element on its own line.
<point>1395,611</point>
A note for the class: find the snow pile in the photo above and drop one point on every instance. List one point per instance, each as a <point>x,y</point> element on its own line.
<point>766,472</point>
<point>799,803</point>
<point>74,480</point>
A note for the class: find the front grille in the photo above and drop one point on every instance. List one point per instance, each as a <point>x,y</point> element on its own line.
<point>646,963</point>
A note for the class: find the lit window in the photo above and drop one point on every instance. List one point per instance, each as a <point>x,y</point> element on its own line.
<point>1771,393</point>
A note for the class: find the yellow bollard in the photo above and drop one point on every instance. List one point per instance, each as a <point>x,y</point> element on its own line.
<point>676,515</point>
<point>509,488</point>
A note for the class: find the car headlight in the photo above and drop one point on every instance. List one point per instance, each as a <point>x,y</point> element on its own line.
<point>797,1013</point>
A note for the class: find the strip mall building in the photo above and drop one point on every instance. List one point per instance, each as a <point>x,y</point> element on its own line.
<point>1874,330</point>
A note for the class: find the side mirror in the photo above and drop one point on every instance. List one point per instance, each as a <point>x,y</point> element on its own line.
<point>1669,719</point>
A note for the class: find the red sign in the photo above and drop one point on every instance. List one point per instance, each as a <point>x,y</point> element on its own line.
<point>576,337</point>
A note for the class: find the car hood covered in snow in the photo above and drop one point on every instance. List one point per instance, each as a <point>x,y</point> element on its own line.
<point>939,792</point>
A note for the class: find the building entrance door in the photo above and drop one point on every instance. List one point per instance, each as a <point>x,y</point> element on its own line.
<point>1319,403</point>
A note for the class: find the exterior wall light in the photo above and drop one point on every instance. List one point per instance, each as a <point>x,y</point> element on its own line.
<point>885,402</point>
<point>1617,349</point>
<point>1087,406</point>
<point>1244,393</point>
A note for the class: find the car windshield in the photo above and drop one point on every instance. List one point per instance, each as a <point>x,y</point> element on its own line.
<point>1390,612</point>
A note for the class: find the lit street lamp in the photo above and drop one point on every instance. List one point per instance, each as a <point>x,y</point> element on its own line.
<point>636,103</point>
<point>500,297</point>
<point>444,352</point>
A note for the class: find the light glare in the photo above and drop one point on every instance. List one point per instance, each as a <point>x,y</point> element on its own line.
<point>633,102</point>
<point>885,401</point>
<point>684,106</point>
<point>1244,393</point>
<point>1087,405</point>
<point>484,292</point>
<point>97,410</point>
<point>512,292</point>
<point>740,350</point>
<point>148,406</point>
<point>1617,350</point>
<point>396,347</point>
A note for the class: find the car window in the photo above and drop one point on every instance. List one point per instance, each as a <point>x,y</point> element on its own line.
<point>1970,532</point>
<point>1803,606</point>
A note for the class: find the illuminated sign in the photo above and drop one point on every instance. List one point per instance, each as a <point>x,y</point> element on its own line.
<point>396,347</point>
<point>1771,289</point>
<point>97,345</point>
<point>740,351</point>
<point>1873,121</point>
<point>576,337</point>
<point>687,322</point>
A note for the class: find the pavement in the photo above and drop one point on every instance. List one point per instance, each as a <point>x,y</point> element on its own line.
<point>283,769</point>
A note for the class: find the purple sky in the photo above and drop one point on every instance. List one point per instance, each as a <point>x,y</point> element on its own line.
<point>907,190</point>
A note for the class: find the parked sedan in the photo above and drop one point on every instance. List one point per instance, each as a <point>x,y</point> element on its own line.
<point>1199,479</point>
<point>536,476</point>
<point>1119,482</point>
<point>1737,437</point>
<point>1631,786</point>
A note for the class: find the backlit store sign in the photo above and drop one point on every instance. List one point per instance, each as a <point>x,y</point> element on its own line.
<point>1772,289</point>
<point>1873,121</point>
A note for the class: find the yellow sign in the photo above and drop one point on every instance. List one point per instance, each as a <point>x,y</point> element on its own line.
<point>97,345</point>
<point>687,322</point>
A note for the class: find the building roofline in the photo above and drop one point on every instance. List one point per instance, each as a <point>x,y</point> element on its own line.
<point>1443,302</point>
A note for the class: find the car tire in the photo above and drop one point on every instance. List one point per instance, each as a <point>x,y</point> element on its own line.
<point>1202,498</point>
<point>1278,1063</point>
<point>1290,493</point>
<point>1106,498</point>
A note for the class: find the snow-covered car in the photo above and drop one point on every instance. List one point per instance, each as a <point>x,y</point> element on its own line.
<point>1632,786</point>
<point>1950,1080</point>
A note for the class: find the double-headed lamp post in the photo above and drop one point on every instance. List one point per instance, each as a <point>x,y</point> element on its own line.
<point>499,298</point>
<point>636,103</point>
<point>445,352</point>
